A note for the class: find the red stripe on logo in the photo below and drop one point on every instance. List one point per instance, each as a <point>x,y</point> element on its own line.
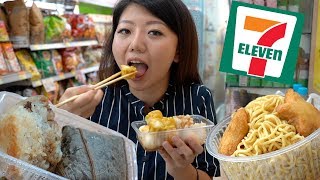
<point>257,65</point>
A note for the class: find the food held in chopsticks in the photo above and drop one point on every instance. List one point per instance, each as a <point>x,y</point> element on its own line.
<point>127,72</point>
<point>301,114</point>
<point>160,129</point>
<point>28,132</point>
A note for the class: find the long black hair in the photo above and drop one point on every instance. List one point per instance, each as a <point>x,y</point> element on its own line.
<point>178,18</point>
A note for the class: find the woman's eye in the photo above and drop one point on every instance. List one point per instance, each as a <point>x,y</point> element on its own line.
<point>155,33</point>
<point>124,31</point>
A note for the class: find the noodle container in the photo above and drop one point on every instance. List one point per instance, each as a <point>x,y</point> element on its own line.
<point>152,141</point>
<point>297,161</point>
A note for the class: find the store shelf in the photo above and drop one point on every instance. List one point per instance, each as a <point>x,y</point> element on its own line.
<point>14,77</point>
<point>64,76</point>
<point>38,47</point>
<point>261,91</point>
<point>46,5</point>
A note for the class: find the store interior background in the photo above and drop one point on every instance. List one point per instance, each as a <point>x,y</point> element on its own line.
<point>211,17</point>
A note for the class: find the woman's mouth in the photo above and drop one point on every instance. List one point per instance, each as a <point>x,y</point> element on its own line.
<point>141,68</point>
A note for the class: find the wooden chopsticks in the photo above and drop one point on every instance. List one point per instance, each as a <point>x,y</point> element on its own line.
<point>101,84</point>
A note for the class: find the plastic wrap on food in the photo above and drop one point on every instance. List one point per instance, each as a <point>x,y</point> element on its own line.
<point>13,168</point>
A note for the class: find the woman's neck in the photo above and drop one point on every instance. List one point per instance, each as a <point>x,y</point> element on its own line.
<point>151,95</point>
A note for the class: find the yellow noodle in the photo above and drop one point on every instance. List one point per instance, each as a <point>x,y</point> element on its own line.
<point>267,131</point>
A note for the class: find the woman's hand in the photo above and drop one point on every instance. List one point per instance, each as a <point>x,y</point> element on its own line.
<point>85,104</point>
<point>179,158</point>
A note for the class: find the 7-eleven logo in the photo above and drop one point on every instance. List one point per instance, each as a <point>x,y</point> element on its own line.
<point>271,32</point>
<point>261,42</point>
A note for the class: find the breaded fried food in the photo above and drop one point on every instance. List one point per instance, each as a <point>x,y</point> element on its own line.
<point>235,132</point>
<point>299,113</point>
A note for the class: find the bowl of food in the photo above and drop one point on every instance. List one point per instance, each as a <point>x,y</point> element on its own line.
<point>157,129</point>
<point>273,143</point>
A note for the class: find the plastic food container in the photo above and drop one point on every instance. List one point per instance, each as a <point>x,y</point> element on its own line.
<point>12,168</point>
<point>152,141</point>
<point>297,161</point>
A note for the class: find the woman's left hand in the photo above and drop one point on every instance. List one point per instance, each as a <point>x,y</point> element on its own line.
<point>180,154</point>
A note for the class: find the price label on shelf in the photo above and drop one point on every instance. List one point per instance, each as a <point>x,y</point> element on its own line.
<point>61,76</point>
<point>48,84</point>
<point>22,75</point>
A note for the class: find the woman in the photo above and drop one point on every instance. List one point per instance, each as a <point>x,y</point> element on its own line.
<point>159,38</point>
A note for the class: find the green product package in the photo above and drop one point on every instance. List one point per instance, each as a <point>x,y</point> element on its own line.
<point>278,85</point>
<point>232,80</point>
<point>254,82</point>
<point>44,63</point>
<point>265,83</point>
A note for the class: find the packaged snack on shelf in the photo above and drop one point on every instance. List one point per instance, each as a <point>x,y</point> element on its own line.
<point>10,57</point>
<point>271,3</point>
<point>283,4</point>
<point>82,62</point>
<point>69,59</point>
<point>258,2</point>
<point>36,25</point>
<point>3,64</point>
<point>43,63</point>
<point>82,26</point>
<point>56,29</point>
<point>57,61</point>
<point>28,64</point>
<point>3,18</point>
<point>18,16</point>
<point>293,5</point>
<point>92,55</point>
<point>3,32</point>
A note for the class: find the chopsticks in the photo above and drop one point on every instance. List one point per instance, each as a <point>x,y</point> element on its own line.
<point>101,84</point>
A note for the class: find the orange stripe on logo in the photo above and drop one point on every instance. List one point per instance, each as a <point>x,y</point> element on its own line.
<point>258,24</point>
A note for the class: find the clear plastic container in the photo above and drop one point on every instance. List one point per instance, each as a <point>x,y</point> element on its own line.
<point>297,161</point>
<point>152,141</point>
<point>13,168</point>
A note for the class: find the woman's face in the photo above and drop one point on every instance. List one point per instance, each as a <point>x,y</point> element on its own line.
<point>146,42</point>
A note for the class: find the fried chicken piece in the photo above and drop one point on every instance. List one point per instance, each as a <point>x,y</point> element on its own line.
<point>235,132</point>
<point>299,113</point>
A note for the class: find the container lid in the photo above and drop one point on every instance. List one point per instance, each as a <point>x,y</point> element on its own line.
<point>296,87</point>
<point>303,91</point>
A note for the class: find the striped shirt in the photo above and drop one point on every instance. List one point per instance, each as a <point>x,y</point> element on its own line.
<point>119,107</point>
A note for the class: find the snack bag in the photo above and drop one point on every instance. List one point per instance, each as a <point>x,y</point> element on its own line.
<point>36,25</point>
<point>10,57</point>
<point>69,59</point>
<point>3,65</point>
<point>3,32</point>
<point>43,63</point>
<point>28,64</point>
<point>56,29</point>
<point>57,61</point>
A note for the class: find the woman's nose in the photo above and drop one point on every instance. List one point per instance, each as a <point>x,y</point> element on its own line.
<point>138,43</point>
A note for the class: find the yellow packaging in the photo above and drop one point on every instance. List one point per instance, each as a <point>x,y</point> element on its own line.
<point>27,63</point>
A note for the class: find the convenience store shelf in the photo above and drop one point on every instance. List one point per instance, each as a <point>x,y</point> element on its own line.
<point>15,77</point>
<point>37,47</point>
<point>261,91</point>
<point>64,76</point>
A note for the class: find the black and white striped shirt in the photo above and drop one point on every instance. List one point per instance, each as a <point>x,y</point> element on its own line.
<point>119,107</point>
